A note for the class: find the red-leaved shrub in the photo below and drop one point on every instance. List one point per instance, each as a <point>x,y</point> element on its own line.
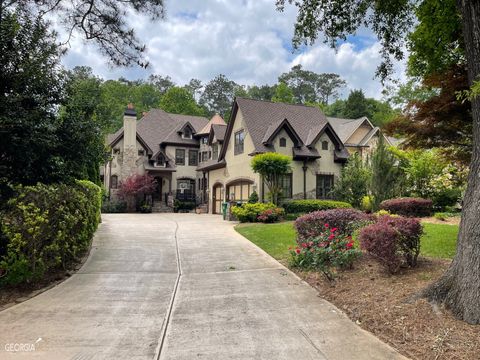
<point>345,220</point>
<point>411,207</point>
<point>394,241</point>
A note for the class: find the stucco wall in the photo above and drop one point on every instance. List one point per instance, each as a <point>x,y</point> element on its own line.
<point>359,134</point>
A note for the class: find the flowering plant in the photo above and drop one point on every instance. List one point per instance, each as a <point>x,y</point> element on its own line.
<point>330,249</point>
<point>271,215</point>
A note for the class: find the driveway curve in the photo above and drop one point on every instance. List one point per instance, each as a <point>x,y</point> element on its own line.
<point>181,286</point>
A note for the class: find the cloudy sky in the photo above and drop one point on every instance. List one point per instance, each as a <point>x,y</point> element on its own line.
<point>247,40</point>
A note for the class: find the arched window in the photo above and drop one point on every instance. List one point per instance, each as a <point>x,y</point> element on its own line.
<point>239,190</point>
<point>324,145</point>
<point>283,142</point>
<point>114,181</point>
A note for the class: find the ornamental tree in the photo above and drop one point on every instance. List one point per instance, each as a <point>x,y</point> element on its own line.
<point>136,185</point>
<point>272,167</point>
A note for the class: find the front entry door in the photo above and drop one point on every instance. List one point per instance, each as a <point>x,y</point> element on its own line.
<point>158,191</point>
<point>217,199</point>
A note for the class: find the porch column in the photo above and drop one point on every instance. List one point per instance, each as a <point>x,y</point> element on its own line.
<point>304,168</point>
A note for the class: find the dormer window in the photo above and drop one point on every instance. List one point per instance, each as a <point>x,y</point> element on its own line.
<point>187,133</point>
<point>161,160</point>
<point>324,145</point>
<point>283,142</point>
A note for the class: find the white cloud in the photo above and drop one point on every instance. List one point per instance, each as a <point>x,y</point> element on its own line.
<point>249,42</point>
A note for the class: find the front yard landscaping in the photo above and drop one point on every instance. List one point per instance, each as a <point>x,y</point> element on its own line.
<point>382,303</point>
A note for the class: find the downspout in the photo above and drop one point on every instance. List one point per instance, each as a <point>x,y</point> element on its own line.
<point>304,168</point>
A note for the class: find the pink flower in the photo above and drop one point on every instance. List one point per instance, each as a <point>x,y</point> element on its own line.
<point>334,229</point>
<point>304,245</point>
<point>326,225</point>
<point>297,250</point>
<point>349,245</point>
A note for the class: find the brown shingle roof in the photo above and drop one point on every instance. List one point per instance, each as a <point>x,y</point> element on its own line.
<point>260,118</point>
<point>215,120</point>
<point>219,131</point>
<point>346,127</point>
<point>158,127</point>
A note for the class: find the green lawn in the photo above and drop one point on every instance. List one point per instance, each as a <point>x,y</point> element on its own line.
<point>438,240</point>
<point>273,238</point>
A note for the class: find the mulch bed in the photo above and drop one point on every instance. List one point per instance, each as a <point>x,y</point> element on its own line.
<point>381,303</point>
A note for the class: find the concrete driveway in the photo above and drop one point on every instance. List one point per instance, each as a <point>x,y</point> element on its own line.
<point>181,286</point>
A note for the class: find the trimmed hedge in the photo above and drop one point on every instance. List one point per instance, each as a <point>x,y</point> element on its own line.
<point>47,226</point>
<point>393,241</point>
<point>345,221</point>
<point>249,212</point>
<point>410,207</point>
<point>307,206</point>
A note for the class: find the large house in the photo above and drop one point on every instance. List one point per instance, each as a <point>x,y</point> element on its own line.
<point>208,161</point>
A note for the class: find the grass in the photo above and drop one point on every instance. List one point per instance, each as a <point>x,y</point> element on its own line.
<point>273,238</point>
<point>438,240</point>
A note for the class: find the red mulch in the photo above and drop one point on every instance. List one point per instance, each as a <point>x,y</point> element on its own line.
<point>380,303</point>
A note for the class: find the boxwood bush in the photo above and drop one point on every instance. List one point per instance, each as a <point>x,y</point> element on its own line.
<point>47,226</point>
<point>411,207</point>
<point>307,206</point>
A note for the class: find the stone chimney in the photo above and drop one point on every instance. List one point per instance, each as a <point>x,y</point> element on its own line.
<point>129,166</point>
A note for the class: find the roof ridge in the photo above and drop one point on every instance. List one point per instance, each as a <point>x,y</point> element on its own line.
<point>284,103</point>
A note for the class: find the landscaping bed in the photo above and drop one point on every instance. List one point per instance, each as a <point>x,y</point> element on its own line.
<point>382,303</point>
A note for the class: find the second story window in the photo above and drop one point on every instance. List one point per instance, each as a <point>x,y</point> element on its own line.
<point>204,140</point>
<point>180,156</point>
<point>283,142</point>
<point>161,160</point>
<point>239,140</point>
<point>204,155</point>
<point>324,145</point>
<point>141,152</point>
<point>187,133</point>
<point>215,151</point>
<point>192,158</point>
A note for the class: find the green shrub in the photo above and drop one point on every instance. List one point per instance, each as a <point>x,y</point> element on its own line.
<point>114,206</point>
<point>47,226</point>
<point>253,198</point>
<point>367,204</point>
<point>446,197</point>
<point>183,206</point>
<point>443,216</point>
<point>250,212</point>
<point>306,206</point>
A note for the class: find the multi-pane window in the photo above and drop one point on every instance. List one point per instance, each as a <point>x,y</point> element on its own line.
<point>180,156</point>
<point>239,139</point>
<point>286,186</point>
<point>283,142</point>
<point>192,157</point>
<point>204,155</point>
<point>324,186</point>
<point>161,160</point>
<point>215,151</point>
<point>204,140</point>
<point>239,191</point>
<point>187,133</point>
<point>114,181</point>
<point>324,145</point>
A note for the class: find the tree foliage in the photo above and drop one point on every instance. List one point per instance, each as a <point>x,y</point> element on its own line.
<point>104,22</point>
<point>283,94</point>
<point>180,101</point>
<point>310,87</point>
<point>218,95</point>
<point>28,100</point>
<point>272,167</point>
<point>354,180</point>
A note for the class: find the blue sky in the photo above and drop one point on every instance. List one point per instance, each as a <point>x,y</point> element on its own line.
<point>248,41</point>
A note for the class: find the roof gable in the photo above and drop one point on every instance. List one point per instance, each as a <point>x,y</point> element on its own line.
<point>345,128</point>
<point>264,118</point>
<point>274,129</point>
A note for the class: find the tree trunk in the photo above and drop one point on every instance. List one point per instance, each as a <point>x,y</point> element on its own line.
<point>459,287</point>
